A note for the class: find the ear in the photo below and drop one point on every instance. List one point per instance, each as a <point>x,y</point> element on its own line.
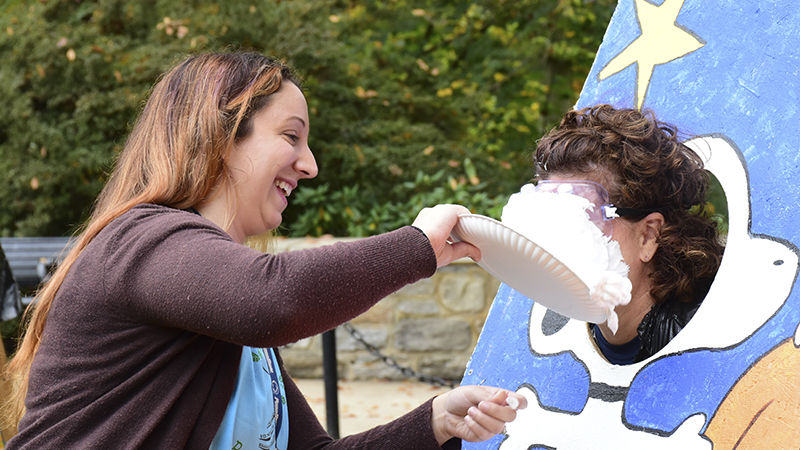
<point>649,230</point>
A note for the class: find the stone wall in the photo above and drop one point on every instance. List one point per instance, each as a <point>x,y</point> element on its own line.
<point>430,326</point>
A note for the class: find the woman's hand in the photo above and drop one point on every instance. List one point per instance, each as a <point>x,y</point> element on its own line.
<point>474,413</point>
<point>437,223</point>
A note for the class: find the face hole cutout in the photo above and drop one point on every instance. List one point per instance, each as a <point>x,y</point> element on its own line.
<point>673,316</point>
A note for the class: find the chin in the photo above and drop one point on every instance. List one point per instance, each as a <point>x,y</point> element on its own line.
<point>271,225</point>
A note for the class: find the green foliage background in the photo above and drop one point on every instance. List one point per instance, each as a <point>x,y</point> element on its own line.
<point>412,103</point>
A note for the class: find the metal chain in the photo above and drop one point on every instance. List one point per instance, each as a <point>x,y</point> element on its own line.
<point>391,362</point>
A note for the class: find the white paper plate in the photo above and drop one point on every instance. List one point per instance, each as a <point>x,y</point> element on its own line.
<point>528,268</point>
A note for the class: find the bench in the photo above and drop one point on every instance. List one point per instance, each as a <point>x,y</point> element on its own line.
<point>32,258</point>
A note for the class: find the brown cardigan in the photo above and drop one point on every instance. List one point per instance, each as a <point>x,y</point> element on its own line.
<point>142,343</point>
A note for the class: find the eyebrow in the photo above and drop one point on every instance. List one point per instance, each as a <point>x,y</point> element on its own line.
<point>298,118</point>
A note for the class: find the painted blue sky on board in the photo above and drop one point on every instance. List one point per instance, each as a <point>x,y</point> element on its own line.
<point>710,67</point>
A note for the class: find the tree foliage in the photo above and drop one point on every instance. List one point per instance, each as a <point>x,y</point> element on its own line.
<point>411,103</point>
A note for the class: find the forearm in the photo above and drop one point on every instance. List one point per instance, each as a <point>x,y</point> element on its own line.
<point>413,430</point>
<point>196,278</point>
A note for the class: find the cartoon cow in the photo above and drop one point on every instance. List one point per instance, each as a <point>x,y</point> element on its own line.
<point>715,384</point>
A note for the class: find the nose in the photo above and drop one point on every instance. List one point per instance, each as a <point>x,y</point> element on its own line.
<point>306,164</point>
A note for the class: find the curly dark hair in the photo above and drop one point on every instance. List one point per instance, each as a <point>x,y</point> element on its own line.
<point>644,166</point>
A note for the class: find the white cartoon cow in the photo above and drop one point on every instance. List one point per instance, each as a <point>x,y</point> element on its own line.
<point>753,282</point>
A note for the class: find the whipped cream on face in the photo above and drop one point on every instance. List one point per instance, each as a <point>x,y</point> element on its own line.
<point>559,223</point>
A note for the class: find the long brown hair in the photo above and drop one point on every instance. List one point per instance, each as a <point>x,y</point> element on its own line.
<point>647,168</point>
<point>174,156</point>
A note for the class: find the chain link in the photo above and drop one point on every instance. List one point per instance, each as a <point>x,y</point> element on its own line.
<point>391,362</point>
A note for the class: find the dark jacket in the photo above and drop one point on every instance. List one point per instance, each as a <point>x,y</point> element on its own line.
<point>664,321</point>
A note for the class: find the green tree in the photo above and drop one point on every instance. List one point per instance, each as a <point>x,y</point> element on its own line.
<point>442,103</point>
<point>412,103</point>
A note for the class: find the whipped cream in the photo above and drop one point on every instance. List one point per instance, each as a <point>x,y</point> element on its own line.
<point>559,223</point>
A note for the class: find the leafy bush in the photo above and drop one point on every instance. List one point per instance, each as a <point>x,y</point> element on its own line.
<point>411,104</point>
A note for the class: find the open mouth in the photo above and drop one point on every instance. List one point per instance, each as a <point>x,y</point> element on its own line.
<point>284,186</point>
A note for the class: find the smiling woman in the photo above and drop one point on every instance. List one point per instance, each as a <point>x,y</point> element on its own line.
<point>266,167</point>
<point>159,328</point>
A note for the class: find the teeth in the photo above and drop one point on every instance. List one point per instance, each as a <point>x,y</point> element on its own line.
<point>287,189</point>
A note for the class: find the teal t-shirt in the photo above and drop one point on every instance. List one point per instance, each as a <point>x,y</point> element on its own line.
<point>257,414</point>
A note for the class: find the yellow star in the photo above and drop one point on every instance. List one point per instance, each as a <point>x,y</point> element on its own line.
<point>662,40</point>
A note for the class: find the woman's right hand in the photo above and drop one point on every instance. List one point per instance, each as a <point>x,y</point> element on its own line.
<point>437,223</point>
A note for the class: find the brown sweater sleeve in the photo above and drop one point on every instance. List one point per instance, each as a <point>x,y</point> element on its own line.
<point>176,269</point>
<point>411,431</point>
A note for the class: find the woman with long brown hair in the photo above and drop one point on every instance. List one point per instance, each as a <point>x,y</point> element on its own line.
<point>159,327</point>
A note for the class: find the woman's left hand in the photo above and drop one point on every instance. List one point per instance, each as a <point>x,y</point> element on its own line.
<point>473,413</point>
